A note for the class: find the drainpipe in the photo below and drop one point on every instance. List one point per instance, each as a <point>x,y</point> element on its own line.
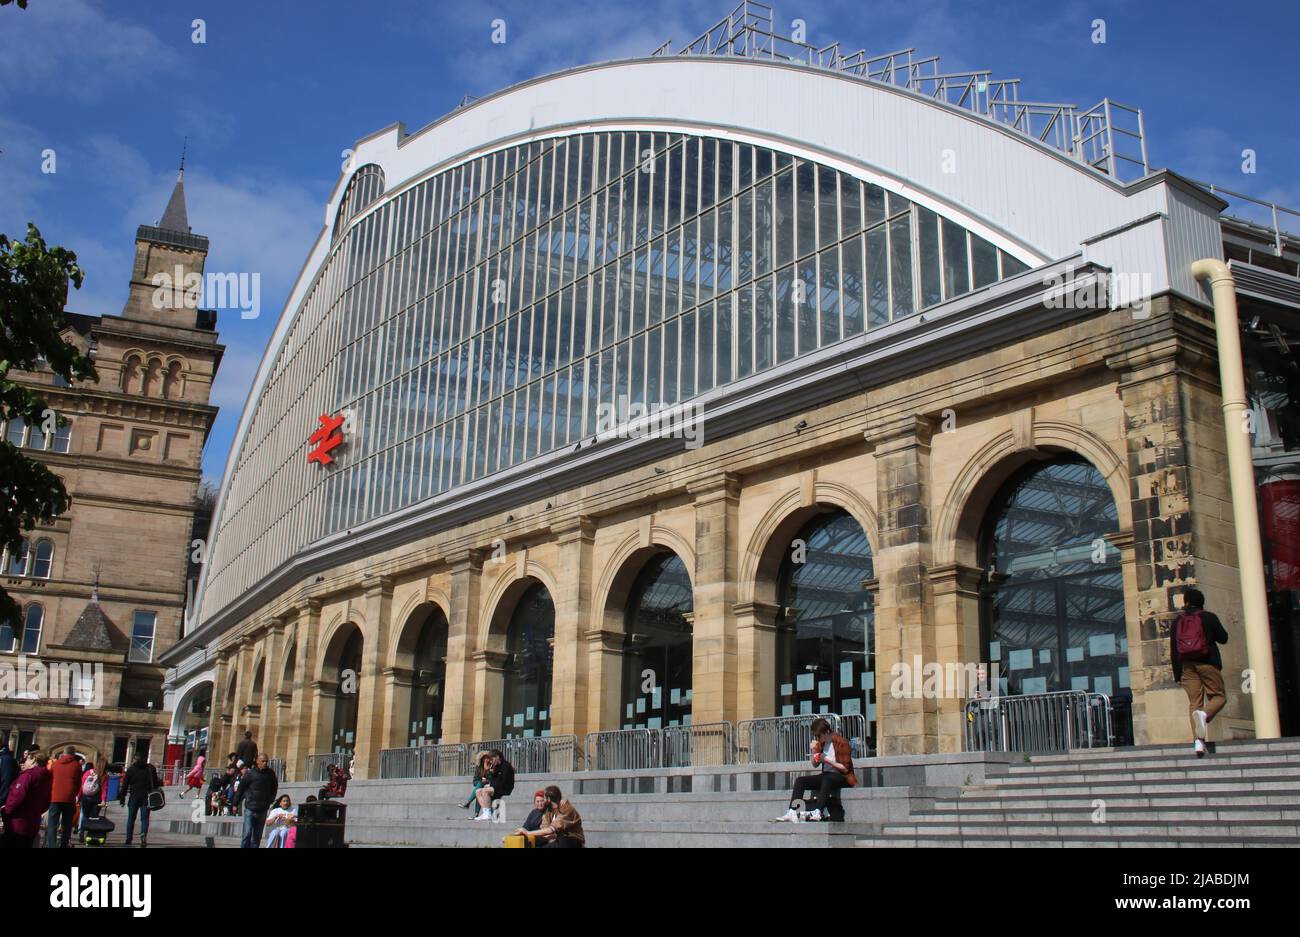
<point>1241,477</point>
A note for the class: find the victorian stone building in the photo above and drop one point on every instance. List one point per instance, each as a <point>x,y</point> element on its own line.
<point>956,388</point>
<point>103,587</point>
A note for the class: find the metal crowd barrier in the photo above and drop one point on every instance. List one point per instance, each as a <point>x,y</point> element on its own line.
<point>551,753</point>
<point>315,767</point>
<point>705,743</point>
<point>425,761</point>
<point>1039,722</point>
<point>709,743</point>
<point>788,738</point>
<point>624,749</point>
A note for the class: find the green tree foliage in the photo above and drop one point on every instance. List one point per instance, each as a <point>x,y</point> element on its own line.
<point>33,289</point>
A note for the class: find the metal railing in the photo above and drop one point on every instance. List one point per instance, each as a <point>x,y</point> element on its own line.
<point>709,743</point>
<point>1109,137</point>
<point>788,738</point>
<point>624,749</point>
<point>1039,722</point>
<point>705,743</point>
<point>315,767</point>
<point>425,761</point>
<point>551,753</point>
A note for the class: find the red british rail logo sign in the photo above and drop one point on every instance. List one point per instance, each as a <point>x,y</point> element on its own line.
<point>328,436</point>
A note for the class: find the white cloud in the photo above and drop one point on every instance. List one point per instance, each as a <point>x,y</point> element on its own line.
<point>71,47</point>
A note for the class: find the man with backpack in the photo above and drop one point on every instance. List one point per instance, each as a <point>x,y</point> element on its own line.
<point>1194,652</point>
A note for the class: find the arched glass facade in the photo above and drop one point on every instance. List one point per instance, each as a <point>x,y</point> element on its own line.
<point>826,638</point>
<point>428,682</point>
<point>526,700</point>
<point>657,647</point>
<point>1053,590</point>
<point>366,185</point>
<point>480,318</point>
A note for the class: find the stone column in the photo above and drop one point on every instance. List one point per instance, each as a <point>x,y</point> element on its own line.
<point>462,638</point>
<point>489,689</point>
<point>714,667</point>
<point>372,696</point>
<point>398,683</point>
<point>955,589</point>
<point>219,715</point>
<point>572,616</point>
<point>604,679</point>
<point>272,635</point>
<point>302,705</point>
<point>903,625</point>
<point>756,659</point>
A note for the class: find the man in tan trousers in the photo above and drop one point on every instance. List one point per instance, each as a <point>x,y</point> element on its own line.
<point>1194,643</point>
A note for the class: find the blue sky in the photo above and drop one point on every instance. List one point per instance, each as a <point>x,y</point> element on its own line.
<point>278,90</point>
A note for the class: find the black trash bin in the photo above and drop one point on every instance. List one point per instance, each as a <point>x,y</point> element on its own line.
<point>321,824</point>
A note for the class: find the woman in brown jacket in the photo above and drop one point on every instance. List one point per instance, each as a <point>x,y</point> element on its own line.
<point>561,824</point>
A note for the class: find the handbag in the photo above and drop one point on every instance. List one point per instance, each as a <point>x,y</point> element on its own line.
<point>157,800</point>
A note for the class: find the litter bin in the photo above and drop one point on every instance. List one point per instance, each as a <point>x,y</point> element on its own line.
<point>114,782</point>
<point>321,824</point>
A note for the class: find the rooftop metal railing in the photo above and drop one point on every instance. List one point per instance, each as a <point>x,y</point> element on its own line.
<point>1109,137</point>
<point>1271,210</point>
<point>1039,722</point>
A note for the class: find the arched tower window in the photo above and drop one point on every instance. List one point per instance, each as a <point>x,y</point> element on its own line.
<point>131,374</point>
<point>153,378</point>
<point>172,381</point>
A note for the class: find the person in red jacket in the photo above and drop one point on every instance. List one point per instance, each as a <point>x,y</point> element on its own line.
<point>29,798</point>
<point>67,784</point>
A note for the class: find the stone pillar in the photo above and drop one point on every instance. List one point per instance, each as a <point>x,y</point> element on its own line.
<point>714,667</point>
<point>398,683</point>
<point>462,639</point>
<point>219,715</point>
<point>302,706</point>
<point>955,590</point>
<point>272,636</point>
<point>489,690</point>
<point>755,659</point>
<point>572,616</point>
<point>372,696</point>
<point>604,679</point>
<point>903,627</point>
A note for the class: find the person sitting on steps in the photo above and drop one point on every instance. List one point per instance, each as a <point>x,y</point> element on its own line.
<point>833,754</point>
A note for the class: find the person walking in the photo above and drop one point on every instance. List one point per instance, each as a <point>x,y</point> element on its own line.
<point>66,772</point>
<point>1194,653</point>
<point>92,783</point>
<point>833,754</point>
<point>246,751</point>
<point>28,799</point>
<point>194,780</point>
<point>8,769</point>
<point>140,780</point>
<point>257,793</point>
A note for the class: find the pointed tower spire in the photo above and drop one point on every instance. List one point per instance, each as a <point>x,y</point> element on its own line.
<point>174,217</point>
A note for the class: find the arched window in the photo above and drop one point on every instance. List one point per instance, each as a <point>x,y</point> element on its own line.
<point>171,387</point>
<point>8,637</point>
<point>131,374</point>
<point>32,622</point>
<point>657,640</point>
<point>428,682</point>
<point>344,735</point>
<point>44,561</point>
<point>153,378</point>
<point>526,705</point>
<point>17,565</point>
<point>825,644</point>
<point>1053,593</point>
<point>366,185</point>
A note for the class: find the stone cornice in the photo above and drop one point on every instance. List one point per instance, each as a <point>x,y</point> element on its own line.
<point>604,640</point>
<point>715,487</point>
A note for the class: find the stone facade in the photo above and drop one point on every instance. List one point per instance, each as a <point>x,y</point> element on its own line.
<point>133,470</point>
<point>916,462</point>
